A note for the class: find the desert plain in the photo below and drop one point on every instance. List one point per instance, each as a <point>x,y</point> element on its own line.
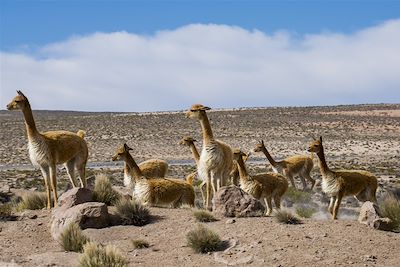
<point>355,137</point>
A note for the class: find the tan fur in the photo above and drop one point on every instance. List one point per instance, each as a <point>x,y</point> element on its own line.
<point>152,168</point>
<point>297,165</point>
<point>261,186</point>
<point>341,183</point>
<point>215,163</point>
<point>46,150</point>
<point>157,191</point>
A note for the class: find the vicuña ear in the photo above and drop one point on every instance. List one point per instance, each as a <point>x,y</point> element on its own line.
<point>205,108</point>
<point>20,93</point>
<point>126,147</point>
<point>320,139</point>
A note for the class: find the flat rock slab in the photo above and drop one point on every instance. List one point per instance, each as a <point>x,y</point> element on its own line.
<point>75,196</point>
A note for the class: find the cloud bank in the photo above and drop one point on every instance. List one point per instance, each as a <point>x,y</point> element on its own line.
<point>218,65</point>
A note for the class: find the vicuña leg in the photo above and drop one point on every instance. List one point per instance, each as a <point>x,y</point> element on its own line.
<point>70,167</point>
<point>303,181</point>
<point>277,201</point>
<point>53,180</point>
<point>337,204</point>
<point>290,177</point>
<point>82,177</point>
<point>268,204</point>
<point>46,176</point>
<point>308,177</point>
<point>331,204</point>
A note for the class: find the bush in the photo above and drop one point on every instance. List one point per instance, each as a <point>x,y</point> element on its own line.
<point>72,238</point>
<point>95,255</point>
<point>139,244</point>
<point>33,201</point>
<point>103,191</point>
<point>297,196</point>
<point>203,240</point>
<point>305,212</point>
<point>283,216</point>
<point>390,208</point>
<point>133,213</point>
<point>204,216</point>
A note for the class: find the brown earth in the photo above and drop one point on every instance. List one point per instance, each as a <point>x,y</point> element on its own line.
<point>362,137</point>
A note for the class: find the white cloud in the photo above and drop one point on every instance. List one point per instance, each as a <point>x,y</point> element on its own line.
<point>218,65</point>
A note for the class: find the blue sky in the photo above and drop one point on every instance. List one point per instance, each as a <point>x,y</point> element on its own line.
<point>199,51</point>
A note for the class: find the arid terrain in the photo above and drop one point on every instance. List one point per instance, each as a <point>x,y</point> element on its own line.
<point>357,137</point>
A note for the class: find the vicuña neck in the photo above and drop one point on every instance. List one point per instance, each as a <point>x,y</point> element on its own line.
<point>127,170</point>
<point>195,153</point>
<point>206,128</point>
<point>322,162</point>
<point>137,173</point>
<point>242,169</point>
<point>29,122</point>
<point>270,159</point>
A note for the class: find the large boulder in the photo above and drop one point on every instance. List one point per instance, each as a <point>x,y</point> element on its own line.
<point>231,201</point>
<point>369,215</point>
<point>75,196</point>
<point>86,215</point>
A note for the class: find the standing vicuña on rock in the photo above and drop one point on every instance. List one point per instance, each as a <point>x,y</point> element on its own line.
<point>49,149</point>
<point>261,186</point>
<point>157,191</point>
<point>152,168</point>
<point>215,163</point>
<point>340,183</point>
<point>290,167</point>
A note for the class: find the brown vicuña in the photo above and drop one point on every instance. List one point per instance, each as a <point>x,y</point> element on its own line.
<point>340,183</point>
<point>48,149</point>
<point>297,165</point>
<point>265,186</point>
<point>215,162</point>
<point>158,191</point>
<point>152,168</point>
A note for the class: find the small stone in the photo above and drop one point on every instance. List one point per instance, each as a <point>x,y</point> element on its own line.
<point>32,216</point>
<point>230,221</point>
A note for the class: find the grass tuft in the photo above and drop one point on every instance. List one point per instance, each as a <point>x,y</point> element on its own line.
<point>133,213</point>
<point>140,244</point>
<point>32,201</point>
<point>103,191</point>
<point>390,208</point>
<point>283,216</point>
<point>297,196</point>
<point>72,238</point>
<point>305,212</point>
<point>204,216</point>
<point>203,240</point>
<point>95,255</point>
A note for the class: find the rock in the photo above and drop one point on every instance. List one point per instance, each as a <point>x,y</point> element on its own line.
<point>74,197</point>
<point>86,215</point>
<point>231,201</point>
<point>384,224</point>
<point>230,221</point>
<point>369,215</point>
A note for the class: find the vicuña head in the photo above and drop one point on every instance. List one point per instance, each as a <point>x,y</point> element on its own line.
<point>187,141</point>
<point>19,102</point>
<point>260,146</point>
<point>121,152</point>
<point>196,111</point>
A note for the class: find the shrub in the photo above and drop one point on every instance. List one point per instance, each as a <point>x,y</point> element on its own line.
<point>33,201</point>
<point>72,238</point>
<point>103,191</point>
<point>297,196</point>
<point>390,208</point>
<point>283,216</point>
<point>203,240</point>
<point>305,212</point>
<point>139,244</point>
<point>204,216</point>
<point>95,255</point>
<point>133,213</point>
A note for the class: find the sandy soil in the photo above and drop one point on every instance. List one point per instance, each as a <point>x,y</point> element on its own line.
<point>363,136</point>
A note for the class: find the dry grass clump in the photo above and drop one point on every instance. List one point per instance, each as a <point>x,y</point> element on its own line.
<point>204,216</point>
<point>72,238</point>
<point>139,244</point>
<point>32,201</point>
<point>390,208</point>
<point>305,212</point>
<point>132,212</point>
<point>203,240</point>
<point>103,191</point>
<point>95,255</point>
<point>297,196</point>
<point>287,217</point>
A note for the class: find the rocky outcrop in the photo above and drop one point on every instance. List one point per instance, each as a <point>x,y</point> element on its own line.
<point>369,215</point>
<point>74,197</point>
<point>231,201</point>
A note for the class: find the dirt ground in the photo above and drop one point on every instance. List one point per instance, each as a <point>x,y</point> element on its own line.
<point>357,137</point>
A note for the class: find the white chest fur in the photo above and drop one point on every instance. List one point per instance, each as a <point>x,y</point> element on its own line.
<point>37,152</point>
<point>329,185</point>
